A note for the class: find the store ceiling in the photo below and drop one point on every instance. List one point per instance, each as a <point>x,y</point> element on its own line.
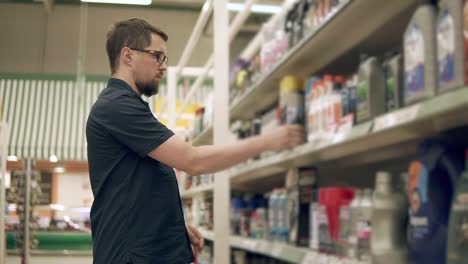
<point>252,25</point>
<point>194,5</point>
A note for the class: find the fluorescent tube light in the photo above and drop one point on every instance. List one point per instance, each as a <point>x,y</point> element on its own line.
<point>256,8</point>
<point>125,2</point>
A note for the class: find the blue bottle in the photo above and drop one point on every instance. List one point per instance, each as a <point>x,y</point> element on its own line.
<point>430,189</point>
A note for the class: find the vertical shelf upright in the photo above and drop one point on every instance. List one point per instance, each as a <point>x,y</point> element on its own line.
<point>221,129</point>
<point>4,137</point>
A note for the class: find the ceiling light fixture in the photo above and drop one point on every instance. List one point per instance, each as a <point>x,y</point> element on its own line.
<point>256,8</point>
<point>124,2</point>
<point>53,159</point>
<point>57,207</point>
<point>59,169</point>
<point>12,158</point>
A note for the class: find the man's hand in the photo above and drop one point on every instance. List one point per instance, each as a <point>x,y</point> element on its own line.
<point>284,137</point>
<point>196,238</point>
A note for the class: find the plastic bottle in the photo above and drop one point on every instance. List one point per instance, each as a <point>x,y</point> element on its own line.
<point>452,44</point>
<point>337,101</point>
<point>389,214</point>
<point>419,44</point>
<point>312,120</point>
<point>282,216</point>
<point>324,238</point>
<point>344,233</point>
<point>273,214</point>
<point>328,103</point>
<point>354,207</point>
<point>393,83</point>
<point>314,227</point>
<point>371,90</point>
<point>457,250</point>
<point>292,100</point>
<point>364,226</point>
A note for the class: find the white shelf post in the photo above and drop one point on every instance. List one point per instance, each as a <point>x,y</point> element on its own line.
<point>171,97</point>
<point>4,134</point>
<point>222,252</point>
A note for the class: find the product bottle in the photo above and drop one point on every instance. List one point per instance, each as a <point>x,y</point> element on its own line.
<point>364,226</point>
<point>389,220</point>
<point>283,231</point>
<point>420,55</point>
<point>325,241</point>
<point>352,250</point>
<point>457,250</point>
<point>344,232</point>
<point>393,83</point>
<point>371,90</point>
<point>314,227</point>
<point>292,103</point>
<point>273,214</point>
<point>452,44</point>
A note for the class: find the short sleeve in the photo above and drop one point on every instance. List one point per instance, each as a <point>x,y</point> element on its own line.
<point>130,121</point>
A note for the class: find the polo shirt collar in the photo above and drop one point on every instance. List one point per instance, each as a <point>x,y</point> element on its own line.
<point>121,84</point>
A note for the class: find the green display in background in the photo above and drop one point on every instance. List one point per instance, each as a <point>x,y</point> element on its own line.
<point>57,241</point>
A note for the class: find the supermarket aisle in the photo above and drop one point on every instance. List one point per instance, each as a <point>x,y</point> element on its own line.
<point>52,260</point>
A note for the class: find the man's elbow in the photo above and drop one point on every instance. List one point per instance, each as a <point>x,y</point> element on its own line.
<point>194,171</point>
<point>194,165</point>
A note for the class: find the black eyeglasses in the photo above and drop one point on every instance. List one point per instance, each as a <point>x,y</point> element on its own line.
<point>158,55</point>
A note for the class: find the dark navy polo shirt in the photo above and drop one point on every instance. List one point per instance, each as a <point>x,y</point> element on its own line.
<point>136,215</point>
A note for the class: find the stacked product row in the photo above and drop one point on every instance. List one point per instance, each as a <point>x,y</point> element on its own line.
<point>433,62</point>
<point>396,219</point>
<point>279,37</point>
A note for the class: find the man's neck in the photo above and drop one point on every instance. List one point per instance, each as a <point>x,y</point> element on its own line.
<point>128,80</point>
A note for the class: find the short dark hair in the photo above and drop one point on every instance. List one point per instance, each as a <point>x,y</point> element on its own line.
<point>134,33</point>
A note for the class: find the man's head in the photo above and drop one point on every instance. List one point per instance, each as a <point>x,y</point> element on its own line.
<point>137,50</point>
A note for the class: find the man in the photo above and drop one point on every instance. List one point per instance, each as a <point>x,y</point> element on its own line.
<point>136,216</point>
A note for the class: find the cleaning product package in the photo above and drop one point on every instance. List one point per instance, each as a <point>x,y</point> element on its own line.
<point>420,59</point>
<point>300,184</point>
<point>457,247</point>
<point>452,44</point>
<point>430,189</point>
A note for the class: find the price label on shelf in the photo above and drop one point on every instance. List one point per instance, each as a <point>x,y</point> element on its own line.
<point>276,251</point>
<point>396,118</point>
<point>263,247</point>
<point>309,258</point>
<point>249,244</point>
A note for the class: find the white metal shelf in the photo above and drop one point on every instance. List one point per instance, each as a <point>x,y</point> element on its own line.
<point>339,34</point>
<point>383,138</point>
<point>207,234</point>
<point>275,250</point>
<point>196,190</point>
<point>280,251</point>
<point>204,138</point>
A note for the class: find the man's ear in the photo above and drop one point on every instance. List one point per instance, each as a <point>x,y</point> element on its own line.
<point>126,56</point>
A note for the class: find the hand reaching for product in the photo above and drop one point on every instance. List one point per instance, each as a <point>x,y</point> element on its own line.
<point>284,137</point>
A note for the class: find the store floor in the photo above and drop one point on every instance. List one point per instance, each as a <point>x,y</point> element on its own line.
<point>52,260</point>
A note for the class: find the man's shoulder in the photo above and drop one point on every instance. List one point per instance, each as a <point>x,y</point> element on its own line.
<point>113,97</point>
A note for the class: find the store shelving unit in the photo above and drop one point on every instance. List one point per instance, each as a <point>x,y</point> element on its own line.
<point>275,250</point>
<point>197,190</point>
<point>353,21</point>
<point>388,136</point>
<point>356,26</point>
<point>204,138</point>
<point>207,234</point>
